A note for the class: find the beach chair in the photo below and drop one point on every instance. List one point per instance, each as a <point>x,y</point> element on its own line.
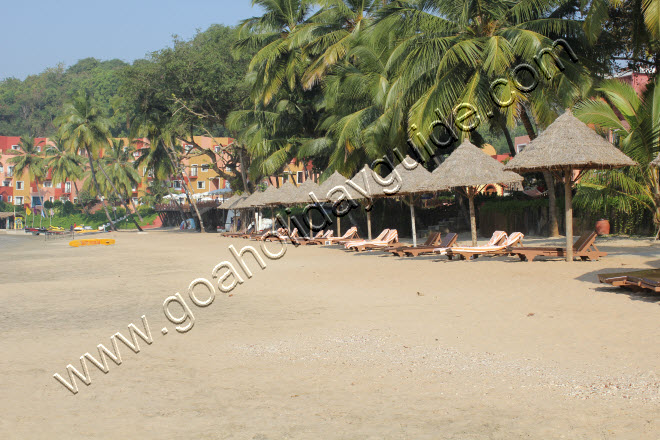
<point>380,237</point>
<point>282,234</point>
<point>319,238</point>
<point>497,239</point>
<point>391,237</point>
<point>433,240</point>
<point>473,252</point>
<point>583,248</point>
<point>635,280</point>
<point>350,235</point>
<point>446,243</point>
<point>234,234</point>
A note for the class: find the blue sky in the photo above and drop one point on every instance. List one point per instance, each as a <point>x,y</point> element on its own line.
<point>39,34</point>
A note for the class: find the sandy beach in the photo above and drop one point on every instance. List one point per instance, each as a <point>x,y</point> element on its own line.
<point>327,344</point>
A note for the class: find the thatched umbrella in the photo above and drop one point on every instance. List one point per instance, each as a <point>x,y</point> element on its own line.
<point>301,195</point>
<point>467,169</point>
<point>568,144</point>
<point>283,194</point>
<point>227,204</point>
<point>269,197</point>
<point>365,180</point>
<point>252,201</point>
<point>326,193</point>
<point>412,176</point>
<point>230,201</point>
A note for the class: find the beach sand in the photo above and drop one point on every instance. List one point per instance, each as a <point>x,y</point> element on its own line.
<point>325,344</point>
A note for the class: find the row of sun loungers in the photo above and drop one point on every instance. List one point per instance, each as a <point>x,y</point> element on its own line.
<point>388,241</point>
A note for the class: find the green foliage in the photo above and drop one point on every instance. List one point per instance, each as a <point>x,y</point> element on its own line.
<point>31,105</point>
<point>48,204</point>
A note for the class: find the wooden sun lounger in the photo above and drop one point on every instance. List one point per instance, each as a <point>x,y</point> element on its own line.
<point>234,234</point>
<point>636,280</point>
<point>500,248</point>
<point>584,248</point>
<point>350,235</point>
<point>432,240</point>
<point>391,237</point>
<point>446,243</point>
<point>318,238</point>
<point>382,235</point>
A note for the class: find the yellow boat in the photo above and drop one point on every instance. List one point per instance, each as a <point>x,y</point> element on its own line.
<point>92,242</point>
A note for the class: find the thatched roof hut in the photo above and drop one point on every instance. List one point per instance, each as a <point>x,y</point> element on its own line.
<point>285,193</point>
<point>568,144</point>
<point>230,201</point>
<point>410,176</point>
<point>330,183</point>
<point>466,169</point>
<point>270,196</point>
<point>469,166</point>
<point>301,194</point>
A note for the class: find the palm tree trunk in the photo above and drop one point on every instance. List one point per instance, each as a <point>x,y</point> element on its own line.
<point>507,135</point>
<point>121,199</point>
<point>553,225</point>
<point>243,171</point>
<point>135,209</point>
<point>98,189</point>
<point>75,186</point>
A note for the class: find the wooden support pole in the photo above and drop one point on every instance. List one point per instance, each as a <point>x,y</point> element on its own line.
<point>568,196</point>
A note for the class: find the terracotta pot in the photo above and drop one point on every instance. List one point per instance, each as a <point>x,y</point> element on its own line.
<point>603,227</point>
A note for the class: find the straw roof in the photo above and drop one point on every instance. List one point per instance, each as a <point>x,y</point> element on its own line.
<point>253,199</point>
<point>301,194</point>
<point>270,196</point>
<point>412,176</point>
<point>230,201</point>
<point>331,182</point>
<point>656,162</point>
<point>468,166</point>
<point>568,142</point>
<point>372,187</point>
<point>285,193</point>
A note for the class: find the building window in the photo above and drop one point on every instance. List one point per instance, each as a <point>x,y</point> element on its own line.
<point>520,147</point>
<point>217,148</point>
<point>38,148</point>
<point>205,167</point>
<point>176,184</point>
<point>58,186</point>
<point>67,187</point>
<point>64,199</point>
<point>18,201</point>
<point>1,198</point>
<point>193,170</point>
<point>75,199</point>
<point>19,184</point>
<point>10,171</point>
<point>135,200</point>
<point>51,199</point>
<point>48,183</point>
<point>201,185</point>
<point>15,147</point>
<point>299,177</point>
<point>187,148</point>
<point>2,170</point>
<point>8,199</point>
<point>6,183</point>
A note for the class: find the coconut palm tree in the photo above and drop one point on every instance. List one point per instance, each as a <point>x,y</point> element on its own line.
<point>64,165</point>
<point>635,121</point>
<point>278,61</point>
<point>118,171</point>
<point>83,128</point>
<point>30,161</point>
